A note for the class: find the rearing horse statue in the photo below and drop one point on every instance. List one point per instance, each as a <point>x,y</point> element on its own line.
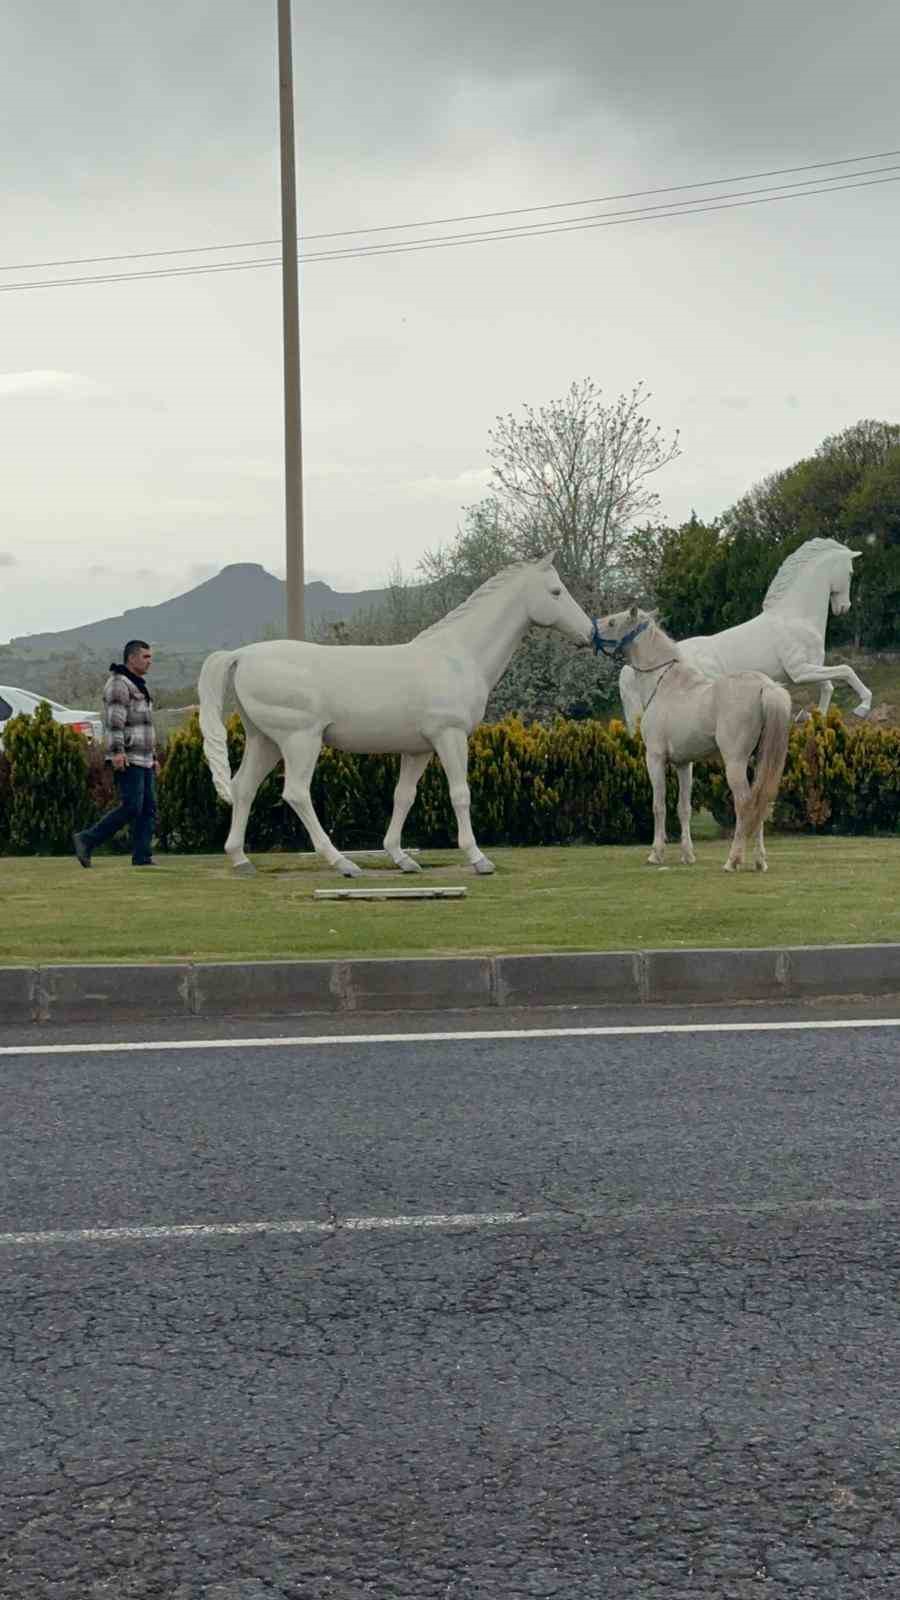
<point>417,698</point>
<point>787,639</point>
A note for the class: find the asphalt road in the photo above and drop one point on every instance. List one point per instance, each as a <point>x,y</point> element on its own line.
<point>574,1317</point>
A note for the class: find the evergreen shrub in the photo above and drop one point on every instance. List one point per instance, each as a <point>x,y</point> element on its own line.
<point>44,795</point>
<point>571,782</point>
<point>838,778</point>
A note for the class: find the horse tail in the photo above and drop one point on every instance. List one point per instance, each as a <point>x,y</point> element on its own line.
<point>771,754</point>
<point>214,676</point>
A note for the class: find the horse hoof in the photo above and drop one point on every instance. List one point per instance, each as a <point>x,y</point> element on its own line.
<point>862,710</point>
<point>689,861</point>
<point>407,864</point>
<point>731,866</point>
<point>761,866</point>
<point>348,869</point>
<point>654,861</point>
<point>245,869</point>
<point>483,867</point>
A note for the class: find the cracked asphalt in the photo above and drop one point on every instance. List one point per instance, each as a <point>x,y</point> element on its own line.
<point>677,1376</point>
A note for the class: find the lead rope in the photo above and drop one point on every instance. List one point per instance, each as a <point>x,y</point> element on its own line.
<point>666,668</point>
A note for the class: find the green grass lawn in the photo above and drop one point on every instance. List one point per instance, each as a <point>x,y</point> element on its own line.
<point>817,891</point>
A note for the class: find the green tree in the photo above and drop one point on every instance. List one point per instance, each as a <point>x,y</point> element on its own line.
<point>871,512</point>
<point>848,490</point>
<point>691,578</point>
<point>871,523</point>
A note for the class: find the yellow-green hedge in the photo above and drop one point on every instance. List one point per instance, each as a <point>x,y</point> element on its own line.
<point>839,778</point>
<point>569,783</point>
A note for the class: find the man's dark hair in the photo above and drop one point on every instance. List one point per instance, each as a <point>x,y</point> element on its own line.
<point>132,648</point>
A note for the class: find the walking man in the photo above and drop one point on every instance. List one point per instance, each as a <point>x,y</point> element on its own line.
<point>131,752</point>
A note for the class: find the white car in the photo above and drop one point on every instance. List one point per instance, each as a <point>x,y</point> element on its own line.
<point>14,701</point>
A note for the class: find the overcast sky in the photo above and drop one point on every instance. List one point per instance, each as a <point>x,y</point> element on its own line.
<point>140,422</point>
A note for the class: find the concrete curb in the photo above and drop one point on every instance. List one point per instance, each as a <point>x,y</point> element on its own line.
<point>63,994</point>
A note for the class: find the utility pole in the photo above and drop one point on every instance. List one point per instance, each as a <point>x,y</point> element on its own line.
<point>293,445</point>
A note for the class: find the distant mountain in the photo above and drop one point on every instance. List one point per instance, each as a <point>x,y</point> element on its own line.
<point>240,604</point>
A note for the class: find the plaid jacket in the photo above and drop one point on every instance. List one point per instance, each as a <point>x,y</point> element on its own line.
<point>128,722</point>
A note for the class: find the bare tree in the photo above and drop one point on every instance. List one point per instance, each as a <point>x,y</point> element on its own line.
<point>573,478</point>
<point>574,475</point>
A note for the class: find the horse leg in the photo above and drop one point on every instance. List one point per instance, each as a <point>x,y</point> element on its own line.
<point>825,693</point>
<point>760,861</point>
<point>685,784</point>
<point>260,756</point>
<point>411,769</point>
<point>840,673</point>
<point>738,783</point>
<point>452,747</point>
<point>656,767</point>
<point>301,752</point>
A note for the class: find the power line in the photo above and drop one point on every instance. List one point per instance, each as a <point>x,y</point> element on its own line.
<point>440,222</point>
<point>672,208</point>
<point>528,231</point>
<point>537,230</point>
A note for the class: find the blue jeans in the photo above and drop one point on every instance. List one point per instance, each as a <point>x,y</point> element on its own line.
<point>137,807</point>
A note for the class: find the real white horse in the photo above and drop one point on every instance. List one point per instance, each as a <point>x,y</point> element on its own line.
<point>417,698</point>
<point>686,716</point>
<point>787,639</point>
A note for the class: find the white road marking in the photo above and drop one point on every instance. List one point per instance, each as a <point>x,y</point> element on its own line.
<point>618,1031</point>
<point>164,1233</point>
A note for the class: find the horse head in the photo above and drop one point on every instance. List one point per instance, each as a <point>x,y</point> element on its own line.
<point>550,604</point>
<point>841,576</point>
<point>613,635</point>
<point>799,586</point>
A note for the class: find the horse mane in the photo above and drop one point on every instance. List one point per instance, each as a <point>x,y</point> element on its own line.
<point>514,570</point>
<point>794,564</point>
<point>658,632</point>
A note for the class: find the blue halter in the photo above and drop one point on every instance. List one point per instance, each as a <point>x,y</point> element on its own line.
<point>619,646</point>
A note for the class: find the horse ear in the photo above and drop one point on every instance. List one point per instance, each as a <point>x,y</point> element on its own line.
<point>633,612</point>
<point>547,561</point>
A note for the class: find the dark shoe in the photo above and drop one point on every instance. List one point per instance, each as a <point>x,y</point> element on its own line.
<point>82,850</point>
<point>143,863</point>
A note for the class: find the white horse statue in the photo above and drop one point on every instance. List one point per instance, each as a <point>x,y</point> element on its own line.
<point>787,639</point>
<point>685,716</point>
<point>417,698</point>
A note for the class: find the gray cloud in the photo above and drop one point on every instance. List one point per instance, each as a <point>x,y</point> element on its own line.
<point>198,83</point>
<point>149,127</point>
